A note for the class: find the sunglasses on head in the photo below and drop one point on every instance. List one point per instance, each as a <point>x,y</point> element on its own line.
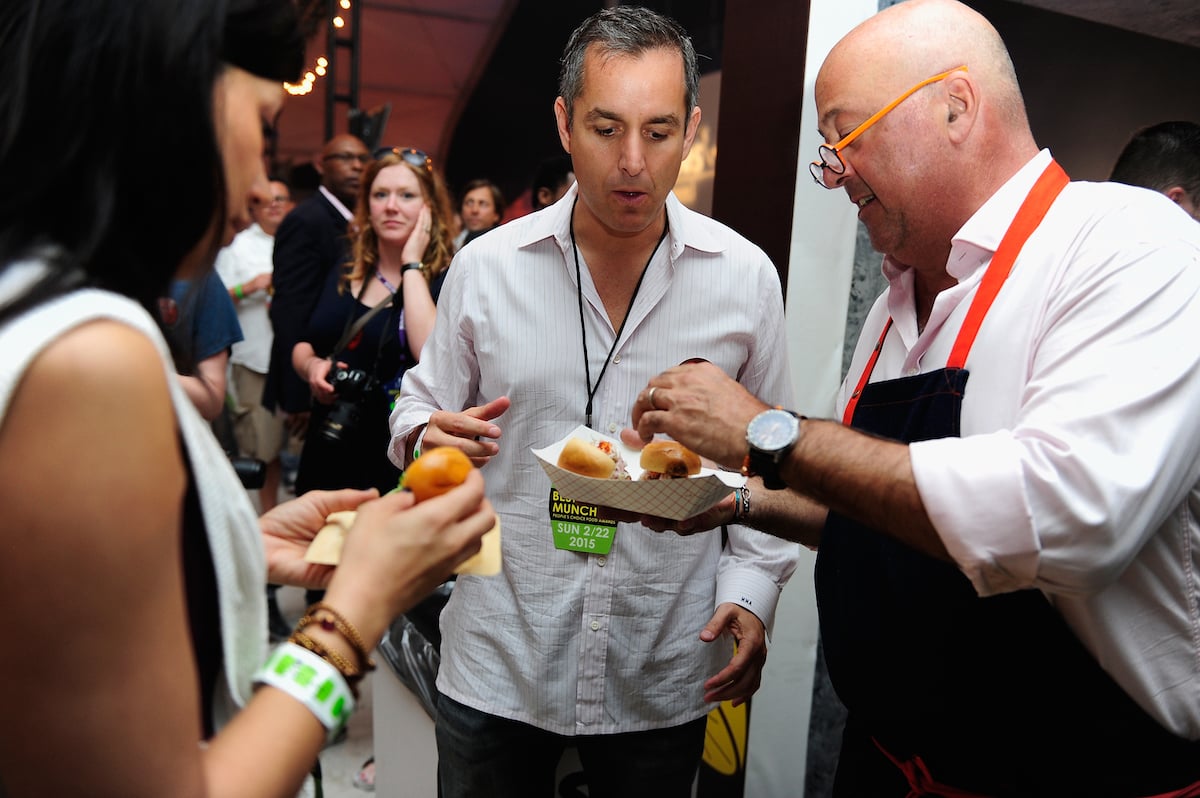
<point>410,155</point>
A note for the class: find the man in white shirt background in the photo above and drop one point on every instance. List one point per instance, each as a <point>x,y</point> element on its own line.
<point>245,267</point>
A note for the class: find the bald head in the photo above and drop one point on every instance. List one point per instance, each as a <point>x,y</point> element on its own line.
<point>935,158</point>
<point>913,40</point>
<point>344,142</point>
<point>342,161</point>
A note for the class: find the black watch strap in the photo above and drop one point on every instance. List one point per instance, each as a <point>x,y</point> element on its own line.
<point>771,435</point>
<point>764,465</point>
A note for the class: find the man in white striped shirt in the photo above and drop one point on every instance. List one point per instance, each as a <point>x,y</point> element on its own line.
<point>554,320</point>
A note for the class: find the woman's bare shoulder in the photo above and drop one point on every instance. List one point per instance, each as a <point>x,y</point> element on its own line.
<point>90,431</point>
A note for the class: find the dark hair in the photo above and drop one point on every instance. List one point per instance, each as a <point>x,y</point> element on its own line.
<point>497,194</point>
<point>626,30</point>
<point>96,95</point>
<point>365,244</point>
<point>263,37</point>
<point>551,173</point>
<point>1161,156</point>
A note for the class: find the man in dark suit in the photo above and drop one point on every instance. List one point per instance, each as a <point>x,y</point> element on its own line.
<point>310,241</point>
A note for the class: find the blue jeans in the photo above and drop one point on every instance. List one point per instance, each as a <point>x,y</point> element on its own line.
<point>485,755</point>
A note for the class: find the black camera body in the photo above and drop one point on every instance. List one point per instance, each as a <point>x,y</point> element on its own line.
<point>351,387</point>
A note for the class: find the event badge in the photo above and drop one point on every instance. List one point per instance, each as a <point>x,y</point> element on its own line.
<point>580,527</point>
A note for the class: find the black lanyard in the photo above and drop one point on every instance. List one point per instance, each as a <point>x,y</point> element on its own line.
<point>587,369</point>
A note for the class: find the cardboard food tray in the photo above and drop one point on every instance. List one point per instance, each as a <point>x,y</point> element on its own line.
<point>667,498</point>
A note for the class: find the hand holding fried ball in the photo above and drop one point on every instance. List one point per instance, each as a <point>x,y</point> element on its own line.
<point>668,460</point>
<point>436,471</point>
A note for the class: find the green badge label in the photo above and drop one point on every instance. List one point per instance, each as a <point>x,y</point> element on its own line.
<point>580,527</point>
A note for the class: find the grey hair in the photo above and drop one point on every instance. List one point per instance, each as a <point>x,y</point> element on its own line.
<point>626,30</point>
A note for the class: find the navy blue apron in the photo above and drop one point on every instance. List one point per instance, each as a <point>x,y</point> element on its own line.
<point>992,696</point>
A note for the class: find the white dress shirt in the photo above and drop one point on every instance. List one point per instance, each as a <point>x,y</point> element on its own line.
<point>1077,468</point>
<point>246,257</point>
<point>570,642</point>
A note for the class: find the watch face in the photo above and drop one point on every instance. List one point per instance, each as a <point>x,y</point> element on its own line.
<point>772,430</point>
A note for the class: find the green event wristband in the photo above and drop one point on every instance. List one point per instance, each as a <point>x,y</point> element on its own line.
<point>420,440</point>
<point>312,681</point>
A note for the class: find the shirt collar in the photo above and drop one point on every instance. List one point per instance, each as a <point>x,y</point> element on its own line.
<point>684,227</point>
<point>336,203</point>
<point>976,241</point>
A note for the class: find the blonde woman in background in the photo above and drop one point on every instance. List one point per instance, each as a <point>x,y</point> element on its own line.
<point>400,252</point>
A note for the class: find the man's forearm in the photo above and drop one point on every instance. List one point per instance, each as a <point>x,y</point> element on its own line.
<point>865,478</point>
<point>783,513</point>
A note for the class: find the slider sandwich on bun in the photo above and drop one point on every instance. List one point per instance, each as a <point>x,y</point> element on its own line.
<point>597,459</point>
<point>668,460</point>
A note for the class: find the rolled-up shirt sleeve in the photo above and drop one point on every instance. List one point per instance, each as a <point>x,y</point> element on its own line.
<point>1091,456</point>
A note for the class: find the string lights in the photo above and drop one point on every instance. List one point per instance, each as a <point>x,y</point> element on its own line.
<point>321,67</point>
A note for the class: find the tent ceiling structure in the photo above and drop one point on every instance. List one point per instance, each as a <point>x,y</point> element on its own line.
<point>424,58</point>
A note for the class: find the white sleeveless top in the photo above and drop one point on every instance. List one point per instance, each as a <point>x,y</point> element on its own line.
<point>229,518</point>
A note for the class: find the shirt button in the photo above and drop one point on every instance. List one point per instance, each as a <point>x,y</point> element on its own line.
<point>612,427</point>
<point>913,372</point>
<point>595,626</point>
<point>601,560</point>
<point>617,359</point>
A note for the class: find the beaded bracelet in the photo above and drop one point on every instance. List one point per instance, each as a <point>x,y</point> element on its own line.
<point>741,504</point>
<point>337,622</point>
<point>348,669</point>
<point>313,682</point>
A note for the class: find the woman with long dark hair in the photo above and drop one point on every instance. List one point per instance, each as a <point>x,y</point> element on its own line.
<point>131,562</point>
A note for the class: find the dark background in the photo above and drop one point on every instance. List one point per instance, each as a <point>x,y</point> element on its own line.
<point>507,126</point>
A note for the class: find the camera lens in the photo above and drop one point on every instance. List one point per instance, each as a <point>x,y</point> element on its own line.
<point>341,421</point>
<point>351,387</point>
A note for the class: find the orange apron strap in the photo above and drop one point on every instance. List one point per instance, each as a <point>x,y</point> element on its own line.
<point>1047,188</point>
<point>1030,215</point>
<point>1192,791</point>
<point>921,782</point>
<point>848,415</point>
